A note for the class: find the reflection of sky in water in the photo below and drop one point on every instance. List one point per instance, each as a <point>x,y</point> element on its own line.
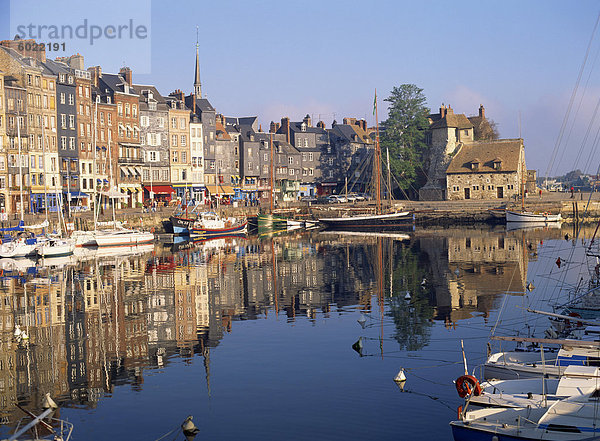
<point>254,338</point>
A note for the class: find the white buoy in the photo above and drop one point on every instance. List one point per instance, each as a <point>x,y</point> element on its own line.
<point>362,320</point>
<point>400,376</point>
<point>48,402</point>
<point>407,296</point>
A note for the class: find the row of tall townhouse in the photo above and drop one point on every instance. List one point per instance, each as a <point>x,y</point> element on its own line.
<point>70,136</point>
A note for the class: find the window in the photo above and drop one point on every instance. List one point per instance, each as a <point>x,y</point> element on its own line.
<point>183,156</point>
<point>62,98</point>
<point>161,122</point>
<point>144,121</point>
<point>175,157</point>
<point>134,111</point>
<point>290,160</point>
<point>63,120</point>
<point>109,119</point>
<point>127,109</point>
<point>72,121</point>
<point>291,170</point>
<point>80,90</point>
<point>71,99</point>
<point>311,171</point>
<point>183,140</point>
<point>102,118</point>
<point>120,109</point>
<point>249,166</point>
<point>174,140</point>
<point>72,143</point>
<point>305,142</point>
<point>182,123</point>
<point>173,123</point>
<point>330,161</point>
<point>63,142</point>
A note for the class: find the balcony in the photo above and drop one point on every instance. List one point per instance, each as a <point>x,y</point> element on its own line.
<point>130,161</point>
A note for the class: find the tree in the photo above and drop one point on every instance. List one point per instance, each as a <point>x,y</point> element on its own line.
<point>403,133</point>
<point>486,130</point>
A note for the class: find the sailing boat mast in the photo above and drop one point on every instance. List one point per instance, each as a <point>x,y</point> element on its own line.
<point>389,177</point>
<point>377,159</point>
<point>271,178</point>
<point>20,165</point>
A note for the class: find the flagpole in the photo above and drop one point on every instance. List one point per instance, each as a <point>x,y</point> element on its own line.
<point>377,157</point>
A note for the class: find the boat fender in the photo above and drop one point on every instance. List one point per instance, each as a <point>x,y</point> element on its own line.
<point>576,315</point>
<point>468,385</point>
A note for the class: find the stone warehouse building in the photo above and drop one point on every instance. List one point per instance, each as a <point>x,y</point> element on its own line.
<point>462,167</point>
<point>486,170</point>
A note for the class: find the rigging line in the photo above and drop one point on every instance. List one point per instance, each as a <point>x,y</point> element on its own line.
<point>567,113</point>
<point>586,136</point>
<point>580,104</point>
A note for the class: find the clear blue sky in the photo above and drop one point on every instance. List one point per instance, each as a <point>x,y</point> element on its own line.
<point>274,59</point>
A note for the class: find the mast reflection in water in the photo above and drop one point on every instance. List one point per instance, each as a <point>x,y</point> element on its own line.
<point>96,325</point>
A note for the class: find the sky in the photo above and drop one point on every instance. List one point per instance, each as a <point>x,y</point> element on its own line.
<point>271,59</point>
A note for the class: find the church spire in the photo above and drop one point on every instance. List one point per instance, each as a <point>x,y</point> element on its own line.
<point>197,84</point>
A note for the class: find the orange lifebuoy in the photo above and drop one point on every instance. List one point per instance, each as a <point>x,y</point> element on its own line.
<point>468,385</point>
<point>152,230</point>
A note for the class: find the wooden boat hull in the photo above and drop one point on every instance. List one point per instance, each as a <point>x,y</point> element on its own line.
<point>123,238</point>
<point>525,216</point>
<point>181,225</point>
<point>270,224</point>
<point>371,222</point>
<point>204,233</point>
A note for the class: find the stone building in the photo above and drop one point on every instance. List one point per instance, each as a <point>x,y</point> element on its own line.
<point>462,167</point>
<point>486,170</point>
<point>154,139</point>
<point>197,158</point>
<point>127,171</point>
<point>179,144</point>
<point>4,191</point>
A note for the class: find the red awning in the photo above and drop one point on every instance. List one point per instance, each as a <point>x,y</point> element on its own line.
<point>160,189</point>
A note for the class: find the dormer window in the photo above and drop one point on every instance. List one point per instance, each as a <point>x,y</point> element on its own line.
<point>475,164</point>
<point>497,163</point>
<point>303,127</point>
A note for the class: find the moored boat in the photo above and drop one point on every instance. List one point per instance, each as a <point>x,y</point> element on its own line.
<point>529,216</point>
<point>55,247</point>
<point>123,237</point>
<point>371,222</point>
<point>210,224</point>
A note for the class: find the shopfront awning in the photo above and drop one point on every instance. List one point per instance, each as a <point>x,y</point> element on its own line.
<point>77,194</point>
<point>160,189</point>
<point>220,190</point>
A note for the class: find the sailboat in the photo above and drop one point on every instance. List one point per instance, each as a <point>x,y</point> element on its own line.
<point>379,220</point>
<point>529,216</point>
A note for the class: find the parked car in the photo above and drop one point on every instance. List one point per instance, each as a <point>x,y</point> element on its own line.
<point>308,198</point>
<point>336,199</point>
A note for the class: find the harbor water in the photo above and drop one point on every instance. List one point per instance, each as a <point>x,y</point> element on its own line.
<point>295,337</point>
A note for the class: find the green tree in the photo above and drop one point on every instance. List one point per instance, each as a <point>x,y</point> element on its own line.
<point>404,135</point>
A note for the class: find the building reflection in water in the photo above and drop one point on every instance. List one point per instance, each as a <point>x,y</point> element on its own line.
<point>103,322</point>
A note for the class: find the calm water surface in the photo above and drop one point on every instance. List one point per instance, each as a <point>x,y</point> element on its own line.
<point>254,337</point>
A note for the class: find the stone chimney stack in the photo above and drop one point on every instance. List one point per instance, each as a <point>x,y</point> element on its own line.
<point>177,93</point>
<point>443,111</point>
<point>307,120</point>
<point>96,74</point>
<point>272,127</point>
<point>449,110</point>
<point>126,73</point>
<point>285,125</point>
<point>481,111</point>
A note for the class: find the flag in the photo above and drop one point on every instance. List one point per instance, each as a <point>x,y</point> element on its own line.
<point>375,102</point>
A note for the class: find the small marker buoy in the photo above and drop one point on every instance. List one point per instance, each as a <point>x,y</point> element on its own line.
<point>189,429</point>
<point>400,376</point>
<point>358,346</point>
<point>407,296</point>
<point>362,320</point>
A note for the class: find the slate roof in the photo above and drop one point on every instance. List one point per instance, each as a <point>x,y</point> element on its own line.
<point>453,120</point>
<point>115,83</point>
<point>487,152</point>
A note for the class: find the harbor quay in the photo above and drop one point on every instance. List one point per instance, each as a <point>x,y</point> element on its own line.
<point>581,208</point>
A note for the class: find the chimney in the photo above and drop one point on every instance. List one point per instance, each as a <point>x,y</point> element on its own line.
<point>96,73</point>
<point>481,111</point>
<point>449,110</point>
<point>178,94</point>
<point>277,126</point>
<point>285,124</point>
<point>193,103</point>
<point>321,125</point>
<point>272,127</point>
<point>443,111</point>
<point>126,73</point>
<point>307,120</point>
